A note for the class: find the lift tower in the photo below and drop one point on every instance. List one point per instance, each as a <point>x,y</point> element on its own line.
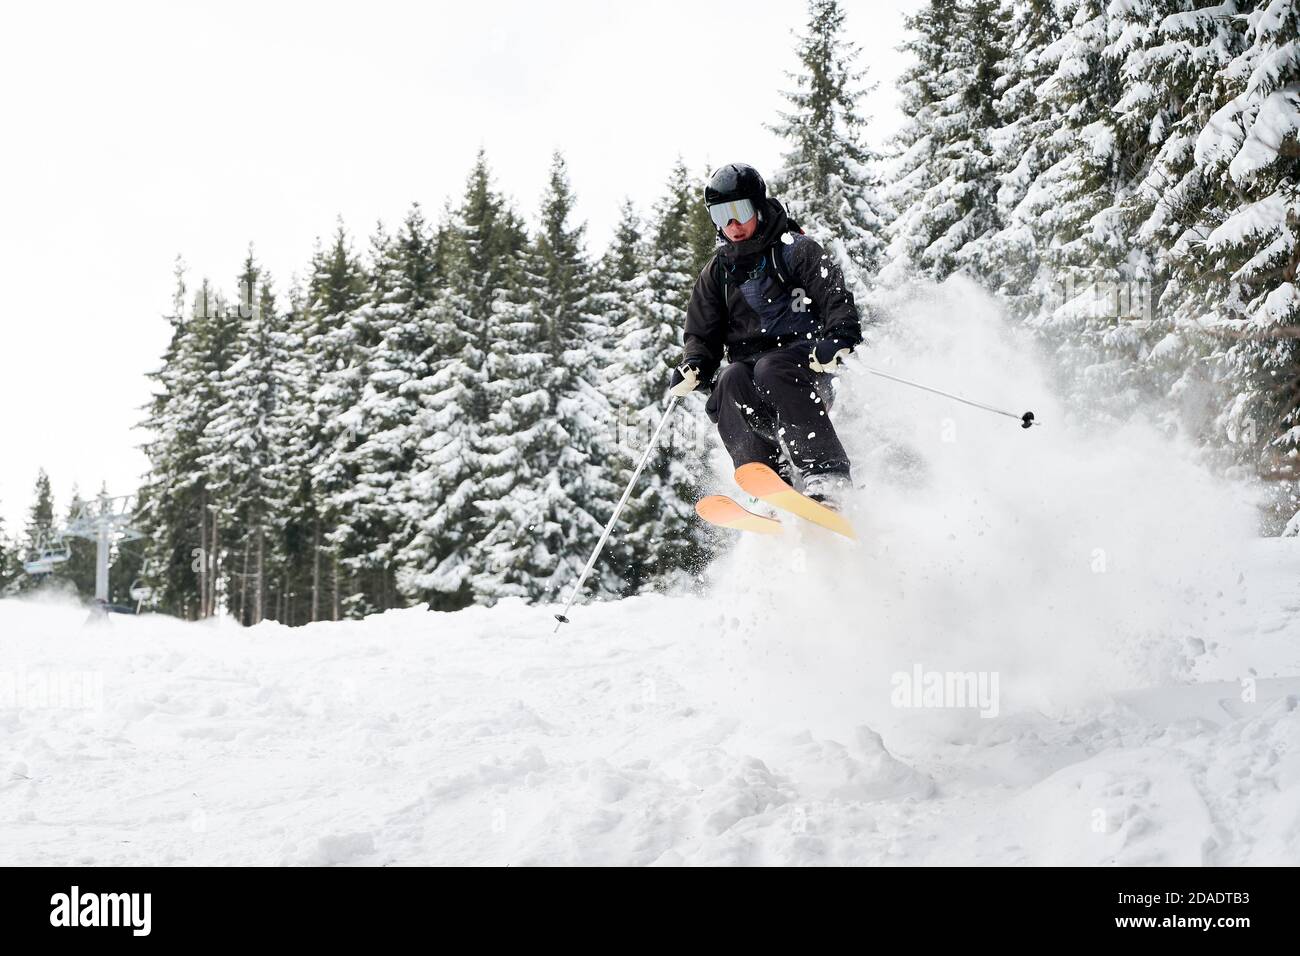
<point>106,521</point>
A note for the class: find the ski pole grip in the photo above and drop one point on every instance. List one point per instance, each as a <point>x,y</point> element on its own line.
<point>1027,420</point>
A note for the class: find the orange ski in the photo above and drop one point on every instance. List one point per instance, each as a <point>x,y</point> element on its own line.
<point>725,513</point>
<point>765,484</point>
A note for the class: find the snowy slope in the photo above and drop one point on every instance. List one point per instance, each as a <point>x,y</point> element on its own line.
<point>481,737</point>
<point>1146,651</point>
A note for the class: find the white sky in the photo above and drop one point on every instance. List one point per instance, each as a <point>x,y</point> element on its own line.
<point>132,132</point>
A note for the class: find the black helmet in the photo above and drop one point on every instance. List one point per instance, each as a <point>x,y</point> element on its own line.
<point>735,181</point>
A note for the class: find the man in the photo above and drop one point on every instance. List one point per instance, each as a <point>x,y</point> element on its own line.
<point>773,303</point>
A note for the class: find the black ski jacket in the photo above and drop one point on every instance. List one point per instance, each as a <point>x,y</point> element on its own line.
<point>739,309</point>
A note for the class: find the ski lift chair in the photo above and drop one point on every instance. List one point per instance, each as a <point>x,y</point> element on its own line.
<point>51,549</point>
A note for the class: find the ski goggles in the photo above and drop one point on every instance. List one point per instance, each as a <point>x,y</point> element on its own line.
<point>741,210</point>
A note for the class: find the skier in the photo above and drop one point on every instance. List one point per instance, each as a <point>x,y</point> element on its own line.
<point>776,306</point>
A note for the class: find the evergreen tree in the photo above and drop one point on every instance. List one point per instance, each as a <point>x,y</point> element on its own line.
<point>1171,85</point>
<point>1102,195</point>
<point>512,446</point>
<point>434,559</point>
<point>9,568</point>
<point>164,509</point>
<point>619,280</point>
<point>328,385</point>
<point>925,87</point>
<point>1106,136</point>
<point>242,445</point>
<point>557,420</point>
<point>468,409</point>
<point>702,234</point>
<point>1250,149</point>
<point>321,390</point>
<point>1009,259</point>
<point>1145,232</point>
<point>36,533</point>
<point>390,408</point>
<point>829,182</point>
<point>581,444</point>
<point>40,518</point>
<point>176,503</point>
<point>485,240</point>
<point>663,537</point>
<point>946,183</point>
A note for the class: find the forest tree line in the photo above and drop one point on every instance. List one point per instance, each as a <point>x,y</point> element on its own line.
<point>438,417</point>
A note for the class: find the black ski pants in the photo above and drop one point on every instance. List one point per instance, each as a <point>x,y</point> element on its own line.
<point>772,399</point>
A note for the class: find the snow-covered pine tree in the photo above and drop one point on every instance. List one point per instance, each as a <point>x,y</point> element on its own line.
<point>391,405</point>
<point>1105,145</point>
<point>241,451</point>
<point>911,172</point>
<point>580,347</point>
<point>1251,147</point>
<point>515,525</point>
<point>830,179</point>
<point>479,250</point>
<point>337,349</point>
<point>433,560</point>
<point>12,575</point>
<point>664,536</point>
<point>544,528</point>
<point>163,511</point>
<point>8,561</point>
<point>176,506</point>
<point>1172,86</point>
<point>620,279</point>
<point>335,286</point>
<point>963,206</point>
<point>1008,259</point>
<point>1069,201</point>
<point>484,241</point>
<point>40,519</point>
<point>217,333</point>
<point>923,184</point>
<point>294,421</point>
<point>1120,207</point>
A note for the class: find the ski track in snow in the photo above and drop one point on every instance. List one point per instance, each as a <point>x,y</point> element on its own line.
<point>480,737</point>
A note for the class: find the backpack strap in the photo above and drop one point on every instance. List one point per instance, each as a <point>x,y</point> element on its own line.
<point>775,262</point>
<point>719,273</point>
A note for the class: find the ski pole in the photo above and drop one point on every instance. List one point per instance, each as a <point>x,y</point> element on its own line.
<point>1026,420</point>
<point>562,617</point>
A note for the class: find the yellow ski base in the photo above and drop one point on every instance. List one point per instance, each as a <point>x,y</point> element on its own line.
<point>722,511</point>
<point>765,484</point>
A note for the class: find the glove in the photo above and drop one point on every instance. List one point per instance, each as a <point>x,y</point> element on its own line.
<point>827,354</point>
<point>686,379</point>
